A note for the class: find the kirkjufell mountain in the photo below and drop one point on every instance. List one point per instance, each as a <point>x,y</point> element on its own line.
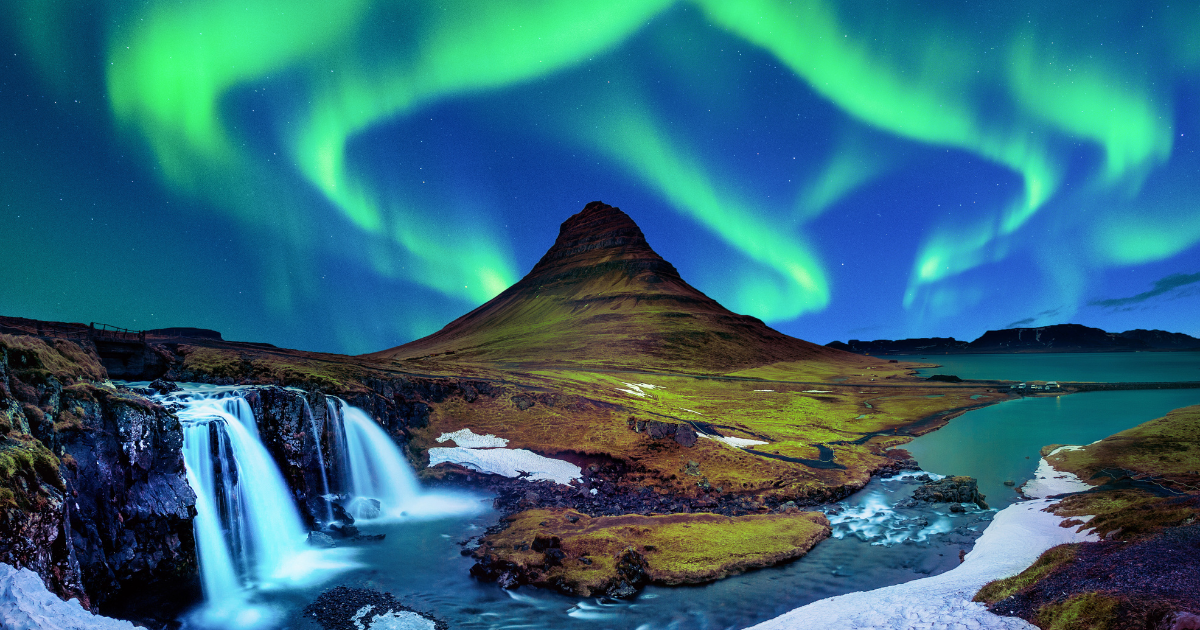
<point>602,297</point>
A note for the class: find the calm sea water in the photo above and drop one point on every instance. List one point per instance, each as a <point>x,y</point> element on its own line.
<point>1106,367</point>
<point>1001,442</point>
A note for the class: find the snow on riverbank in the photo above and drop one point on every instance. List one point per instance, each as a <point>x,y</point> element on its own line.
<point>469,439</point>
<point>25,604</point>
<point>732,441</point>
<point>1048,481</point>
<point>508,462</point>
<point>1016,537</point>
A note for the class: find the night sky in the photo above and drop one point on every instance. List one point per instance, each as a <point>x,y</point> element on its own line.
<point>349,175</point>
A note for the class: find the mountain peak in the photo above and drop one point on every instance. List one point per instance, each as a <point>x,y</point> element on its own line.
<point>598,240</point>
<point>601,297</point>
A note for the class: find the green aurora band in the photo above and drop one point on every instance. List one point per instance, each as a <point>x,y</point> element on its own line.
<point>1019,97</point>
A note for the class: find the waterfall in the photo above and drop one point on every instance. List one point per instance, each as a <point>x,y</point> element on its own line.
<point>337,444</point>
<point>249,534</point>
<point>252,498</point>
<point>374,469</point>
<point>377,468</point>
<point>312,423</point>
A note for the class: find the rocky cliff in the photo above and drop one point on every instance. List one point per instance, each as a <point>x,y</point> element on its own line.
<point>93,493</point>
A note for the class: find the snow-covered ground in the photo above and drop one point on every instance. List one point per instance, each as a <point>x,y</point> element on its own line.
<point>508,462</point>
<point>732,441</point>
<point>25,604</point>
<point>1016,537</point>
<point>469,439</point>
<point>1047,481</point>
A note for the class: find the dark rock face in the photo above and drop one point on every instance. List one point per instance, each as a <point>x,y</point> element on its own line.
<point>102,508</point>
<point>291,423</point>
<point>130,508</point>
<point>951,490</point>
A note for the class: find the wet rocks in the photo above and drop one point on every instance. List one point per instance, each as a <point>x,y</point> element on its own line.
<point>130,508</point>
<point>951,490</point>
<point>345,608</point>
<point>321,540</point>
<point>99,506</point>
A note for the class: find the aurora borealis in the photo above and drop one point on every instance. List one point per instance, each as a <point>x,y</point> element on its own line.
<point>347,175</point>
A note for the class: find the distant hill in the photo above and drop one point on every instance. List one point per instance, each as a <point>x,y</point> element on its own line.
<point>601,297</point>
<point>1058,338</point>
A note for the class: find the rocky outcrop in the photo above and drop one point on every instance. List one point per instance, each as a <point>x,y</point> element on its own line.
<point>951,490</point>
<point>345,608</point>
<point>682,432</point>
<point>93,492</point>
<point>615,556</point>
<point>130,507</point>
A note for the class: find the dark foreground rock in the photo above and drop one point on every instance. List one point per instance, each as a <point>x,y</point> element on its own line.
<point>345,608</point>
<point>93,492</point>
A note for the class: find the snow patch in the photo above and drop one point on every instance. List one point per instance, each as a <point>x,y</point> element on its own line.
<point>764,390</point>
<point>469,439</point>
<point>691,411</point>
<point>508,462</point>
<point>732,441</point>
<point>25,604</point>
<point>1048,481</point>
<point>818,391</point>
<point>403,620</point>
<point>1015,538</point>
<point>636,388</point>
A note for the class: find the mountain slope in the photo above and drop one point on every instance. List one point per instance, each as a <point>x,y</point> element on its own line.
<point>601,297</point>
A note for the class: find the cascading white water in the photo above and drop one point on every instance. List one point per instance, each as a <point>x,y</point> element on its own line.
<point>337,444</point>
<point>316,434</point>
<point>270,526</point>
<point>249,534</point>
<point>377,468</point>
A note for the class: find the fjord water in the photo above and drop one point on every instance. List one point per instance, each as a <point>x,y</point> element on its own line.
<point>1002,442</point>
<point>1098,367</point>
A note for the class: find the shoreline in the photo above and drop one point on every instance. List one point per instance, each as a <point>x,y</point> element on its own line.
<point>1010,544</point>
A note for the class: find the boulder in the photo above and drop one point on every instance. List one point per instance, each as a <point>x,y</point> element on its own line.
<point>951,490</point>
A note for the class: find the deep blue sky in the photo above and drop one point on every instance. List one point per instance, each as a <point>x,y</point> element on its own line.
<point>350,175</point>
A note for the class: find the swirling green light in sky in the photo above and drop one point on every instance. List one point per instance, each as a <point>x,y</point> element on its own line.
<point>481,45</point>
<point>633,140</point>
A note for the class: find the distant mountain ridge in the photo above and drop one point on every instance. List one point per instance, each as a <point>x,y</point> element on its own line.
<point>1057,338</point>
<point>602,297</point>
